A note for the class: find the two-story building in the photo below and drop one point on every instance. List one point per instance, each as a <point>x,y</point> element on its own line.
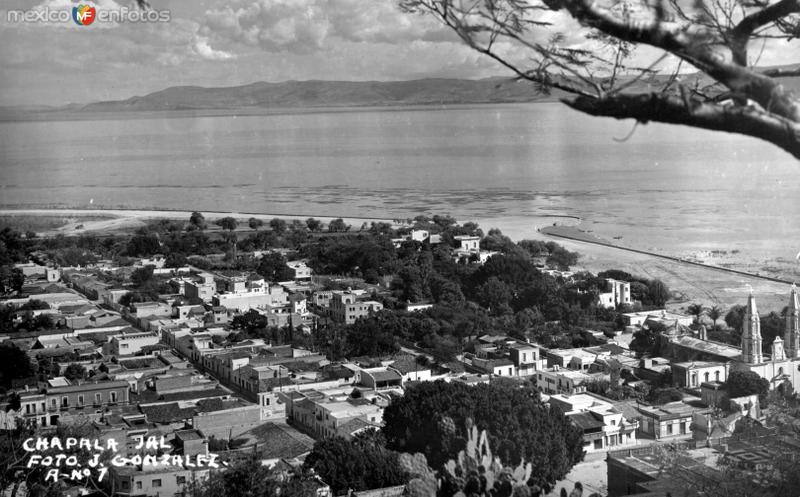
<point>345,307</point>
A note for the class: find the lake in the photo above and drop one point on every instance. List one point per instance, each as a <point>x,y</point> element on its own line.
<point>513,166</point>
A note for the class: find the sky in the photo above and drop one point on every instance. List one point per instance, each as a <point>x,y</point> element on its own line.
<point>224,43</point>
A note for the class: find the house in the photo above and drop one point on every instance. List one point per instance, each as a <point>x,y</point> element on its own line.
<point>467,243</point>
<point>202,288</point>
<point>156,481</point>
<point>411,369</point>
<point>575,359</point>
<point>617,293</point>
<point>344,307</point>
<point>672,420</point>
<point>497,367</point>
<point>45,408</point>
<point>383,377</point>
<point>637,319</point>
<point>131,343</point>
<point>527,358</point>
<point>692,374</point>
<point>301,271</point>
<point>557,380</point>
<point>603,425</point>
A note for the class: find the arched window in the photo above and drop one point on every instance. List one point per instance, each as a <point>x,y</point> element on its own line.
<point>705,376</point>
<point>716,375</point>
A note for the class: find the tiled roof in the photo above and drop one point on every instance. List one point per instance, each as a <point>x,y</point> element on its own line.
<point>585,421</point>
<point>167,413</point>
<point>281,441</point>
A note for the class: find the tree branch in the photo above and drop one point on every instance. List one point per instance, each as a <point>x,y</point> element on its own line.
<point>673,110</point>
<point>740,35</point>
<point>781,73</point>
<point>691,47</point>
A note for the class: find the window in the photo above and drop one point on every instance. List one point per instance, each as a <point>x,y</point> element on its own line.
<point>126,484</point>
<point>716,375</point>
<point>509,371</point>
<point>65,401</point>
<point>138,485</point>
<point>27,408</point>
<point>706,375</point>
<point>669,429</point>
<point>53,403</point>
<point>180,480</point>
<point>113,396</point>
<point>156,483</point>
<point>683,427</point>
<point>98,398</point>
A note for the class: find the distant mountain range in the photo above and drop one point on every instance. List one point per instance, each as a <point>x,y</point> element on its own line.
<point>264,97</point>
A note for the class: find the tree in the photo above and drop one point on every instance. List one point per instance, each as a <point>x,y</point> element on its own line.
<point>658,291</point>
<point>714,313</point>
<point>742,383</point>
<point>255,223</point>
<point>360,464</point>
<point>227,223</point>
<point>735,317</point>
<point>250,478</point>
<point>646,340</point>
<point>14,364</point>
<point>313,224</point>
<point>430,418</point>
<point>273,267</point>
<point>595,68</point>
<point>11,279</point>
<point>338,226</point>
<point>197,220</point>
<point>140,277</point>
<point>278,225</point>
<point>696,310</point>
<point>75,372</point>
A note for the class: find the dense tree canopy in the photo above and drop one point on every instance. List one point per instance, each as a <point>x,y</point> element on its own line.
<point>742,383</point>
<point>361,464</point>
<point>14,364</point>
<point>431,418</point>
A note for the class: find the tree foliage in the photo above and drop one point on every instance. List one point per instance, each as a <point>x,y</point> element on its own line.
<point>742,383</point>
<point>359,464</point>
<point>250,478</point>
<point>14,364</point>
<point>431,417</point>
<point>588,52</point>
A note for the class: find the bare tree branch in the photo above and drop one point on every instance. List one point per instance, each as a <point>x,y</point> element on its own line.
<point>740,36</point>
<point>673,110</point>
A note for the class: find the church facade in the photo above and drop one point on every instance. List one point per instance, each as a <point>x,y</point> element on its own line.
<point>781,368</point>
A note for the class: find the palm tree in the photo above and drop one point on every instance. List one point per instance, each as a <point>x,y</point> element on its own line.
<point>696,310</point>
<point>714,313</point>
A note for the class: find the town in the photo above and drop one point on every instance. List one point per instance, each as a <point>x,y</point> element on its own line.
<point>417,357</point>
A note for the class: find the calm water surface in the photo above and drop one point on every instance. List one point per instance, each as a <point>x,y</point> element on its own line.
<point>665,186</point>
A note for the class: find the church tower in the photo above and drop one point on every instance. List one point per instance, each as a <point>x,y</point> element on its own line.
<point>751,334</point>
<point>791,336</point>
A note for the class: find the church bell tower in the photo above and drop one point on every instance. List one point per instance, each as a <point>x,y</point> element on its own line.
<point>751,334</point>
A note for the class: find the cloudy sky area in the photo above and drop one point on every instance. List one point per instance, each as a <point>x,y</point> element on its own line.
<point>224,43</point>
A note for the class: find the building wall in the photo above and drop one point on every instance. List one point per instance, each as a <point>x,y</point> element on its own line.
<point>669,428</point>
<point>229,422</point>
<point>693,377</point>
<point>155,484</point>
